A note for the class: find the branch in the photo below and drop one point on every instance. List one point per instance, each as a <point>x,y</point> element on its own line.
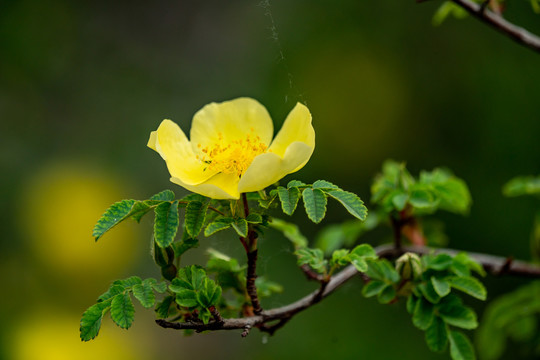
<point>516,33</point>
<point>496,265</point>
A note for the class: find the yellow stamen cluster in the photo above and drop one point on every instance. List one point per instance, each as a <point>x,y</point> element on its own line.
<point>233,157</point>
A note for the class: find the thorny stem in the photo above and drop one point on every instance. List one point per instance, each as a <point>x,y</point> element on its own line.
<point>496,265</point>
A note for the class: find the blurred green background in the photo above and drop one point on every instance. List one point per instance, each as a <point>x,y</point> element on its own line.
<point>82,84</point>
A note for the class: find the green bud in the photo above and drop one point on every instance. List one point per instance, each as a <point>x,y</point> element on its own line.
<point>409,266</point>
<point>169,272</point>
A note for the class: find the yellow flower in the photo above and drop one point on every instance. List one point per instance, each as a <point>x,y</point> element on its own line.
<point>231,149</point>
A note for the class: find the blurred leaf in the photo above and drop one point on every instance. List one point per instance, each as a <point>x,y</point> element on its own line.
<point>522,185</point>
<point>325,185</point>
<point>441,286</point>
<point>315,204</point>
<point>240,225</point>
<point>290,231</point>
<point>312,257</point>
<point>266,288</point>
<point>163,308</point>
<point>423,314</point>
<point>468,285</point>
<point>453,312</point>
<point>436,335</point>
<point>91,320</point>
<point>122,310</point>
<point>373,288</point>
<point>448,8</point>
<point>387,294</point>
<point>460,346</point>
<point>195,217</point>
<point>437,262</point>
<point>166,223</point>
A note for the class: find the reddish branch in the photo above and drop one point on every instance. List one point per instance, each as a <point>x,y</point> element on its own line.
<point>271,320</point>
<point>496,21</point>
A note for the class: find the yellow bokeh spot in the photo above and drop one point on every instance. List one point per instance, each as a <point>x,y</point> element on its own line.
<point>55,337</point>
<point>60,207</point>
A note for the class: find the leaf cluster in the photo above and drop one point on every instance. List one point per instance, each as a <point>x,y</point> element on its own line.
<point>396,190</point>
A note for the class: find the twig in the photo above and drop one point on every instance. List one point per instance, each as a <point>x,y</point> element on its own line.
<point>250,282</point>
<point>516,33</point>
<point>496,265</point>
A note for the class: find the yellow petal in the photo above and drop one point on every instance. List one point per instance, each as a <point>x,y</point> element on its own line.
<point>174,147</point>
<point>297,127</point>
<point>268,168</point>
<point>233,120</point>
<point>220,186</point>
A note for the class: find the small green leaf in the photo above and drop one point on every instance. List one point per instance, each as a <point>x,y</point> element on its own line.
<point>254,218</point>
<point>340,257</point>
<point>145,294</point>
<point>422,198</point>
<point>240,225</point>
<point>165,195</point>
<point>373,288</point>
<point>436,335</point>
<point>315,204</point>
<point>138,210</point>
<point>351,202</point>
<point>423,314</point>
<point>195,217</point>
<point>522,185</point>
<point>130,281</point>
<point>429,292</point>
<point>469,285</point>
<point>441,286</point>
<point>313,258</point>
<point>453,312</point>
<point>460,346</point>
<point>91,320</point>
<point>160,287</point>
<point>166,223</point>
<point>438,262</point>
<point>399,200</point>
<point>187,243</point>
<point>219,224</point>
<point>325,185</point>
<point>289,199</point>
<point>113,216</point>
<point>122,310</point>
<point>295,183</point>
<point>387,294</point>
<point>411,304</point>
<point>187,298</point>
<point>163,307</point>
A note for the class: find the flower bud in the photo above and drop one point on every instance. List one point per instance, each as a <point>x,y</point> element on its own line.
<point>409,266</point>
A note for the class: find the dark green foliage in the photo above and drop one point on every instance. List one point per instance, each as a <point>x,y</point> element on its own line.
<point>351,202</point>
<point>315,204</point>
<point>460,346</point>
<point>312,257</point>
<point>289,199</point>
<point>166,223</point>
<point>437,335</point>
<point>219,224</point>
<point>122,310</point>
<point>91,320</point>
<point>240,225</point>
<point>112,217</point>
<point>195,217</point>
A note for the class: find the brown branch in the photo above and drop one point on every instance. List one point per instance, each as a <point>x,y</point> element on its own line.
<point>516,33</point>
<point>496,265</point>
<point>250,282</point>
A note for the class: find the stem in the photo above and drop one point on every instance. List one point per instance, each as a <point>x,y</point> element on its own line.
<point>250,282</point>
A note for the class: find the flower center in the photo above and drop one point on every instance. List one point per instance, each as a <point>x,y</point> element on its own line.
<point>233,157</point>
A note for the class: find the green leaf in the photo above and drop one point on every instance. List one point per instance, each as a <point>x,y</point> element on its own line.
<point>429,292</point>
<point>436,335</point>
<point>437,262</point>
<point>295,183</point>
<point>468,285</point>
<point>195,217</point>
<point>373,288</point>
<point>130,281</point>
<point>163,307</point>
<point>266,288</point>
<point>411,304</point>
<point>166,223</point>
<point>464,259</point>
<point>187,298</point>
<point>113,216</point>
<point>138,210</point>
<point>453,312</point>
<point>187,243</point>
<point>91,320</point>
<point>422,198</point>
<point>160,287</point>
<point>400,199</point>
<point>219,224</point>
<point>122,310</point>
<point>325,185</point>
<point>340,257</point>
<point>441,286</point>
<point>522,185</point>
<point>312,257</point>
<point>289,199</point>
<point>351,202</point>
<point>387,294</point>
<point>165,195</point>
<point>315,204</point>
<point>460,346</point>
<point>145,294</point>
<point>290,231</point>
<point>423,314</point>
<point>240,225</point>
<point>254,218</point>
<point>447,8</point>
<point>114,290</point>
<point>360,254</point>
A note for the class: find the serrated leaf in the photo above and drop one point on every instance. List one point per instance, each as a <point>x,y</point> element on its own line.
<point>91,320</point>
<point>436,335</point>
<point>130,281</point>
<point>160,287</point>
<point>114,290</point>
<point>441,286</point>
<point>295,183</point>
<point>423,314</point>
<point>122,310</point>
<point>438,262</point>
<point>429,292</point>
<point>351,202</point>
<point>165,195</point>
<point>186,298</point>
<point>469,285</point>
<point>112,216</point>
<point>454,313</point>
<point>289,199</point>
<point>240,225</point>
<point>218,225</point>
<point>195,217</point>
<point>254,218</point>
<point>145,294</point>
<point>325,185</point>
<point>315,204</point>
<point>138,210</point>
<point>312,257</point>
<point>166,223</point>
<point>291,232</point>
<point>460,346</point>
<point>364,250</point>
<point>339,257</point>
<point>373,288</point>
